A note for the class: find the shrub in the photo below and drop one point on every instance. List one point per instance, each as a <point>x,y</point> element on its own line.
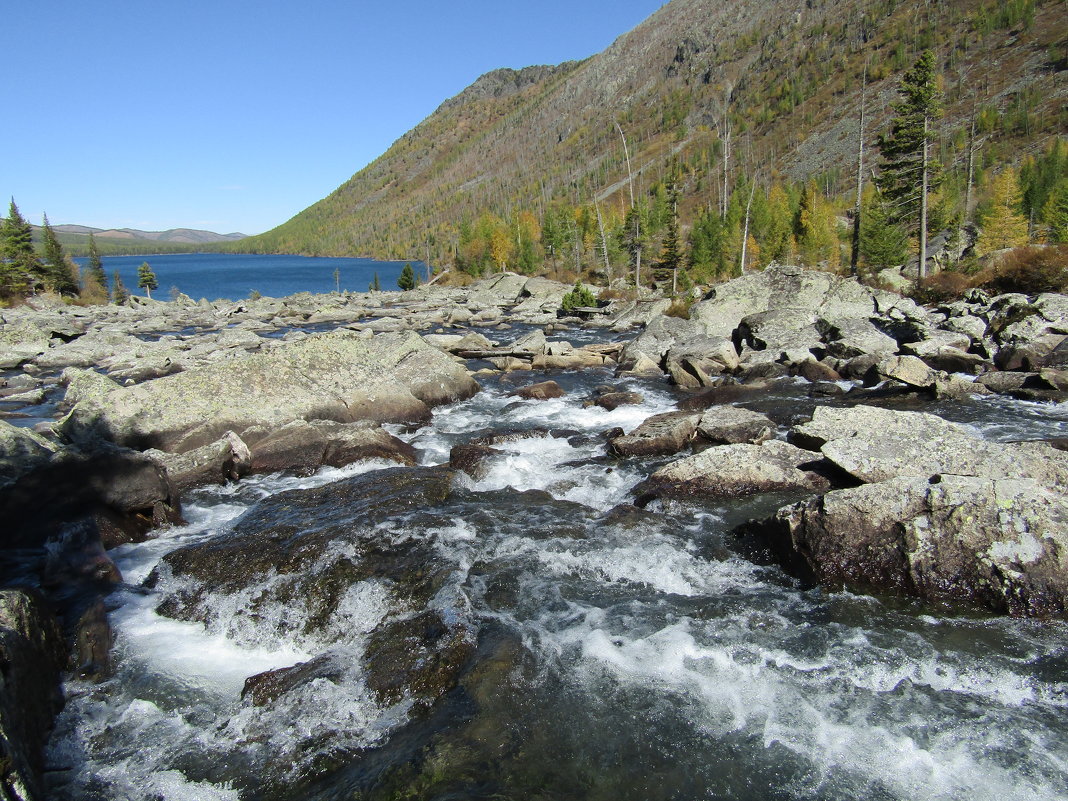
<point>579,297</point>
<point>1030,270</point>
<point>942,287</point>
<point>680,307</point>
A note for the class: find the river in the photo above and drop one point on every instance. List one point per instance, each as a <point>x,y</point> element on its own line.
<point>616,653</point>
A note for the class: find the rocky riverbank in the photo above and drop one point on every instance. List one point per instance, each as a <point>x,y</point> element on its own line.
<point>133,406</point>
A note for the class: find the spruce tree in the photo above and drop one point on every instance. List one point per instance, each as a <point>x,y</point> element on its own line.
<point>146,279</point>
<point>1004,225</point>
<point>406,280</point>
<point>883,243</point>
<point>667,266</point>
<point>119,295</point>
<point>95,267</point>
<point>19,261</point>
<point>58,272</point>
<point>908,170</point>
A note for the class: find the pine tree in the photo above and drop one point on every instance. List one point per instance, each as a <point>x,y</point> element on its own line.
<point>18,261</point>
<point>1004,225</point>
<point>407,278</point>
<point>146,279</point>
<point>119,295</point>
<point>776,232</point>
<point>1055,214</point>
<point>670,261</point>
<point>95,267</point>
<point>908,170</point>
<point>58,272</point>
<point>883,243</point>
<point>376,285</point>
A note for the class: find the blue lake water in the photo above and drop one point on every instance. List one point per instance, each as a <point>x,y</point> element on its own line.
<point>234,276</point>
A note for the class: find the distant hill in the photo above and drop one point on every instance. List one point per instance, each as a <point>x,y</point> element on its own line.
<point>774,83</point>
<point>131,241</point>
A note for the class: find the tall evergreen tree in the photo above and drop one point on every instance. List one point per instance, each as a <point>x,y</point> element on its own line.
<point>119,293</point>
<point>909,172</point>
<point>817,240</point>
<point>95,267</point>
<point>58,272</point>
<point>18,261</point>
<point>1055,214</point>
<point>883,243</point>
<point>146,279</point>
<point>670,261</point>
<point>406,280</point>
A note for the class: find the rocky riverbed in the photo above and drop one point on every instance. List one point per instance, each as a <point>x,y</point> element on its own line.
<point>423,484</point>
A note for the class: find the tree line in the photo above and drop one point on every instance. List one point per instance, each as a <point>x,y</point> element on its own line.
<point>27,270</point>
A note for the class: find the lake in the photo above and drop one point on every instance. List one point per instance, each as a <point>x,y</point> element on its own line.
<point>234,276</point>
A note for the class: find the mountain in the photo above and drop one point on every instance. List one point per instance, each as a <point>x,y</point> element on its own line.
<point>129,241</point>
<point>772,85</point>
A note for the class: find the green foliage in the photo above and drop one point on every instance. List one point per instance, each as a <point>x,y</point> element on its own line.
<point>578,297</point>
<point>912,131</point>
<point>817,240</point>
<point>119,293</point>
<point>1003,225</point>
<point>94,269</point>
<point>58,271</point>
<point>375,285</point>
<point>406,280</point>
<point>254,294</point>
<point>146,279</point>
<point>883,243</point>
<point>19,262</point>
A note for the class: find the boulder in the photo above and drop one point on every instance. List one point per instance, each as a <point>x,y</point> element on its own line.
<point>729,425</point>
<point>731,471</point>
<point>908,370</point>
<point>21,451</point>
<point>660,434</point>
<point>22,341</point>
<point>1000,543</point>
<point>613,400</point>
<point>851,337</point>
<point>219,462</point>
<point>545,390</point>
<point>337,376</point>
<point>33,657</point>
<point>306,446</point>
<point>471,459</point>
<point>874,444</point>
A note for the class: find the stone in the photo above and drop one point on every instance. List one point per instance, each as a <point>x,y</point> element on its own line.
<point>731,471</point>
<point>219,462</point>
<point>728,425</point>
<point>660,434</point>
<point>21,451</point>
<point>613,400</point>
<point>545,390</point>
<point>337,376</point>
<point>305,446</point>
<point>33,657</point>
<point>1000,543</point>
<point>906,369</point>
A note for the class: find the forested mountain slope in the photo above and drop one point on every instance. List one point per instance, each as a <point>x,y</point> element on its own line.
<point>724,90</point>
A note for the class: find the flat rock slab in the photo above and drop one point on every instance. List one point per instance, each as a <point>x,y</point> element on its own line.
<point>340,376</point>
<point>731,471</point>
<point>731,425</point>
<point>874,444</point>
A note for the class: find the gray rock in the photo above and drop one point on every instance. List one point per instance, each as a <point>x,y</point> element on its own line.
<point>847,338</point>
<point>227,459</point>
<point>21,452</point>
<point>728,425</point>
<point>338,376</point>
<point>730,471</point>
<point>544,390</point>
<point>660,434</point>
<point>906,369</point>
<point>305,446</point>
<point>33,657</point>
<point>999,543</point>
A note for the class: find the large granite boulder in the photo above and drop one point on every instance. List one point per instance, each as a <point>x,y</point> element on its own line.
<point>339,376</point>
<point>33,655</point>
<point>940,513</point>
<point>660,434</point>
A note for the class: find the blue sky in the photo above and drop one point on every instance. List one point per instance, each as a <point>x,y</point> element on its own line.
<point>234,115</point>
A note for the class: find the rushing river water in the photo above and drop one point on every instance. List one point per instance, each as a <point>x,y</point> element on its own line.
<point>617,653</point>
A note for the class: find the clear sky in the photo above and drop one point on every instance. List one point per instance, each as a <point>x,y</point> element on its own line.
<point>234,115</point>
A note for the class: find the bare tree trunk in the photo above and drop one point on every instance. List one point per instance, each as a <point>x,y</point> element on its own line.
<point>745,229</point>
<point>604,243</point>
<point>922,267</point>
<point>630,172</point>
<point>854,256</point>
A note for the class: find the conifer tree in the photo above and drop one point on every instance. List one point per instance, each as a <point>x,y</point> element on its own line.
<point>1004,226</point>
<point>667,266</point>
<point>776,233</point>
<point>1055,214</point>
<point>909,171</point>
<point>406,280</point>
<point>57,270</point>
<point>119,294</point>
<point>146,279</point>
<point>883,243</point>
<point>18,261</point>
<point>95,266</point>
